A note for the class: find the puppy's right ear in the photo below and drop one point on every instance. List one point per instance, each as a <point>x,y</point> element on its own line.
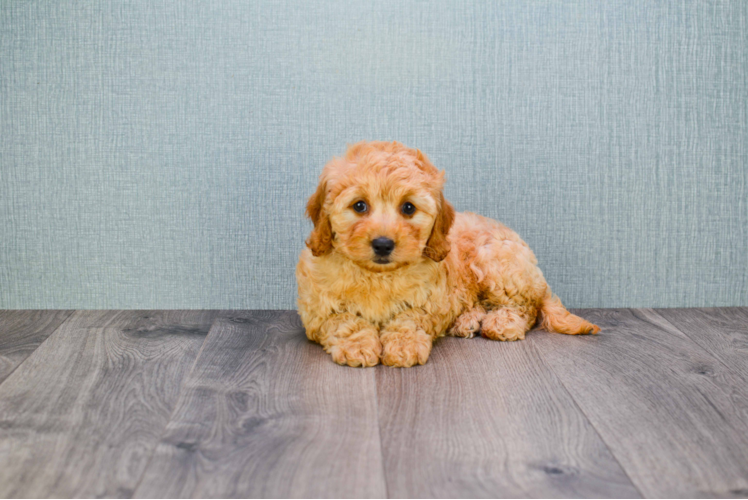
<point>320,241</point>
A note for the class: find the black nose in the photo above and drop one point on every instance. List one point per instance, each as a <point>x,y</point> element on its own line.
<point>383,246</point>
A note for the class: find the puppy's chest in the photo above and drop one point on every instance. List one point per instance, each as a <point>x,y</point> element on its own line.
<point>380,296</point>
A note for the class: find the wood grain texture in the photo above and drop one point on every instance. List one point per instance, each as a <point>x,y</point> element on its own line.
<point>674,416</point>
<point>266,413</point>
<point>82,415</point>
<point>21,332</point>
<point>489,419</point>
<point>722,332</point>
<point>141,403</point>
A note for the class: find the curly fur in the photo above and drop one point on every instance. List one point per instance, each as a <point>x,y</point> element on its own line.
<point>449,274</point>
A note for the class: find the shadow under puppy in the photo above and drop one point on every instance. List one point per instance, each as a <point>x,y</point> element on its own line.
<point>390,266</point>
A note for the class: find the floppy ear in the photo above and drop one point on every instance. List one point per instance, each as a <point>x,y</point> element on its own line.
<point>320,241</point>
<point>437,246</point>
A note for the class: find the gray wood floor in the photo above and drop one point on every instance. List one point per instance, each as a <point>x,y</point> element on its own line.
<point>240,404</point>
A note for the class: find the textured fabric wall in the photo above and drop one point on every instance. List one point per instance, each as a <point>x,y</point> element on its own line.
<point>159,154</point>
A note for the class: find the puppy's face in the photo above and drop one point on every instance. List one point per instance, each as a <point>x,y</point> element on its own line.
<point>382,219</point>
<point>381,206</point>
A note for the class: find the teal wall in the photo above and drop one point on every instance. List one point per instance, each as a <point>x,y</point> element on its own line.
<point>159,154</point>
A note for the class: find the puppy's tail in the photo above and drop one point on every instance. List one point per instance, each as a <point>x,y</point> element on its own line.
<point>555,318</point>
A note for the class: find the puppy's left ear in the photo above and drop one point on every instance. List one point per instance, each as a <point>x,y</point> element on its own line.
<point>320,241</point>
<point>438,246</point>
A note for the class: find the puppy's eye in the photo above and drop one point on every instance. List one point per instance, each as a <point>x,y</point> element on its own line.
<point>408,208</point>
<point>360,207</point>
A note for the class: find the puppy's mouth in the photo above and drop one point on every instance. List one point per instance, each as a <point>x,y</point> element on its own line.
<point>382,260</point>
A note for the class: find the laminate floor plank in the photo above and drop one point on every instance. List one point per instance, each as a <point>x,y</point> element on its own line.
<point>83,414</point>
<point>21,332</point>
<point>489,419</point>
<point>722,332</point>
<point>266,413</point>
<point>673,415</point>
<point>148,403</point>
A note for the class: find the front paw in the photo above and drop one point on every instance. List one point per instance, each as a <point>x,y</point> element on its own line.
<point>363,349</point>
<point>405,348</point>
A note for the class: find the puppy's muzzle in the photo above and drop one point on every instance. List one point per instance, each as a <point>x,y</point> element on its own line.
<point>382,246</point>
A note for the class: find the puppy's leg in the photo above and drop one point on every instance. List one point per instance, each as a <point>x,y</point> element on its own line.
<point>350,340</point>
<point>405,341</point>
<point>506,323</point>
<point>468,323</point>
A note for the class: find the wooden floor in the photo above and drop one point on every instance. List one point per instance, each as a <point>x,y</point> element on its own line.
<point>240,404</point>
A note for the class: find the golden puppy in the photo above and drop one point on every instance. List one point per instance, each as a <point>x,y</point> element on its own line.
<point>390,267</point>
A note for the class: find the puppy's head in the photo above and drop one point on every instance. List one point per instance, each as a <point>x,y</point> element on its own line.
<point>381,206</point>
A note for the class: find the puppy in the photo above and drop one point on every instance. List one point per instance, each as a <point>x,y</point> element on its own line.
<point>390,267</point>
